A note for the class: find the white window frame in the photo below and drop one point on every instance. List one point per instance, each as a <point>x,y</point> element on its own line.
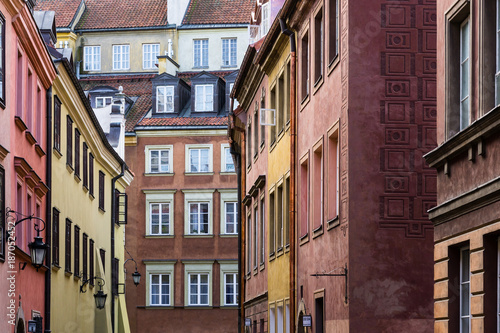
<point>236,103</point>
<point>225,150</point>
<point>228,267</point>
<point>168,91</point>
<point>150,52</point>
<point>188,155</point>
<point>465,284</point>
<point>164,197</point>
<point>103,101</point>
<point>465,67</point>
<point>160,222</point>
<point>92,58</point>
<point>265,19</point>
<point>228,196</point>
<point>164,268</point>
<point>229,52</point>
<point>121,57</point>
<point>147,154</point>
<point>201,51</point>
<point>205,105</point>
<point>198,196</point>
<point>193,267</point>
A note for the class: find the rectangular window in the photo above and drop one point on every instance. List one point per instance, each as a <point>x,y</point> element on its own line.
<point>165,99</point>
<point>91,174</point>
<point>160,218</point>
<point>229,52</point>
<point>198,218</point>
<point>199,160</point>
<point>150,53</point>
<point>272,239</point>
<point>200,52</point>
<point>102,254</point>
<point>304,198</point>
<point>464,74</point>
<point>101,102</point>
<point>304,65</point>
<point>198,289</point>
<point>265,19</point>
<point>67,250</point>
<point>255,236</point>
<point>101,190</point>
<point>39,133</point>
<point>286,212</point>
<point>228,165</point>
<point>248,253</point>
<point>29,100</point>
<point>2,61</point>
<point>69,141</point>
<point>159,161</point>
<point>2,205</point>
<point>273,106</point>
<point>280,319</point>
<point>279,217</point>
<point>231,218</point>
<point>85,165</point>
<point>19,85</point>
<point>317,188</point>
<point>91,259</point>
<point>55,237</point>
<point>77,153</point>
<point>204,97</point>
<point>77,251</point>
<point>318,46</point>
<point>230,289</point>
<point>160,289</point>
<point>115,263</point>
<point>249,142</point>
<point>281,103</point>
<point>121,57</point>
<point>262,127</point>
<point>465,290</point>
<point>262,230</point>
<point>256,131</point>
<point>19,208</point>
<point>85,256</point>
<point>272,319</point>
<point>333,176</point>
<point>333,30</point>
<point>92,58</point>
<point>287,93</point>
<point>57,124</point>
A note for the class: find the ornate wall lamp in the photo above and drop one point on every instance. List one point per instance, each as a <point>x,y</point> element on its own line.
<point>99,296</point>
<point>38,249</point>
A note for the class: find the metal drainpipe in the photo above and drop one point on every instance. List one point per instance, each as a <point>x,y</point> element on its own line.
<point>293,167</point>
<point>48,212</point>
<point>113,203</point>
<point>241,231</point>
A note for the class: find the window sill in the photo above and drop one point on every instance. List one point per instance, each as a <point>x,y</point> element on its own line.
<point>227,173</point>
<point>20,124</point>
<point>272,146</point>
<point>318,84</point>
<point>262,266</point>
<point>158,236</point>
<point>228,66</point>
<point>201,67</point>
<point>335,222</point>
<point>262,145</point>
<point>158,307</point>
<point>335,61</point>
<point>304,102</point>
<point>272,256</point>
<point>39,150</point>
<point>56,152</point>
<point>31,139</point>
<point>199,236</point>
<point>56,267</point>
<point>228,235</point>
<point>69,168</point>
<point>101,210</point>
<point>198,173</point>
<point>77,277</point>
<point>152,174</point>
<point>255,270</point>
<point>91,195</point>
<point>197,307</point>
<point>287,248</point>
<point>67,273</point>
<point>229,307</point>
<point>85,188</point>
<point>317,232</point>
<point>304,239</point>
<point>77,178</point>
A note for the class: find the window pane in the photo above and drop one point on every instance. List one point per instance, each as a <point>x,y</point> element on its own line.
<point>194,159</point>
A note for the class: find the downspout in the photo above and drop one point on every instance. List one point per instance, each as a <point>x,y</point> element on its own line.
<point>48,212</point>
<point>293,171</point>
<point>113,213</point>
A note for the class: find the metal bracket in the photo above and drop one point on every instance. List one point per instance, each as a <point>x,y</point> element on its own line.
<point>336,274</point>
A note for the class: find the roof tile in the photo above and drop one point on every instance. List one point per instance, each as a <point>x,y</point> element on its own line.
<point>184,121</point>
<point>218,12</point>
<point>65,10</point>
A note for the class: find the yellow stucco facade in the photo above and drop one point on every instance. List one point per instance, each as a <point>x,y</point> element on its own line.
<point>76,204</point>
<point>278,185</point>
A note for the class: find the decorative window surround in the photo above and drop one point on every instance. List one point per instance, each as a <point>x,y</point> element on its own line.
<point>188,159</point>
<point>160,268</point>
<point>227,196</point>
<point>165,99</point>
<point>121,57</point>
<point>159,148</point>
<point>92,58</point>
<point>226,160</point>
<point>198,196</point>
<point>164,197</point>
<point>229,268</point>
<point>150,52</point>
<point>200,267</point>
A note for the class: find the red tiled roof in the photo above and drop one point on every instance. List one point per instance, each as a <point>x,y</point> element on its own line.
<point>108,14</point>
<point>218,12</point>
<point>184,121</point>
<point>65,10</point>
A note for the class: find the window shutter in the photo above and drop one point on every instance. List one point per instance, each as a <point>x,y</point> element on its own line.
<point>114,275</point>
<point>122,201</point>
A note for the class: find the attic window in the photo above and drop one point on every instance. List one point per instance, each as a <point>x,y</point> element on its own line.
<point>101,102</point>
<point>165,99</point>
<point>204,97</point>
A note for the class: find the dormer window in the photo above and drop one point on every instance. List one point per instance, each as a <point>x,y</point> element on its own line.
<point>164,99</point>
<point>204,97</point>
<point>101,102</point>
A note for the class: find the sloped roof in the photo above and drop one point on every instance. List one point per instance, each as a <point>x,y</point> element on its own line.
<point>184,121</point>
<point>109,14</point>
<point>65,10</point>
<point>218,12</point>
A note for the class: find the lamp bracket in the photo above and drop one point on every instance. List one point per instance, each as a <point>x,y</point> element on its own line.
<point>99,283</point>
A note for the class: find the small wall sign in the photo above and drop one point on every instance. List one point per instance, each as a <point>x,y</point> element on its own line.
<point>248,322</point>
<point>307,321</point>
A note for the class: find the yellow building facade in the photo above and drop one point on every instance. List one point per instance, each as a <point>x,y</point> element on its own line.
<point>86,241</point>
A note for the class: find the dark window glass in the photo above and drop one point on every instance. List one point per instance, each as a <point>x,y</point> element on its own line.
<point>2,210</point>
<point>114,275</point>
<point>77,251</point>
<point>57,124</point>
<point>319,320</point>
<point>91,260</point>
<point>2,61</point>
<point>84,256</point>
<point>91,174</point>
<point>69,141</point>
<point>102,252</point>
<point>77,153</point>
<point>67,250</point>
<point>101,190</point>
<point>85,170</point>
<point>55,237</point>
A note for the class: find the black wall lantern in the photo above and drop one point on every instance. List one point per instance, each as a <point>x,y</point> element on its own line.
<point>136,276</point>
<point>38,249</point>
<point>99,296</point>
